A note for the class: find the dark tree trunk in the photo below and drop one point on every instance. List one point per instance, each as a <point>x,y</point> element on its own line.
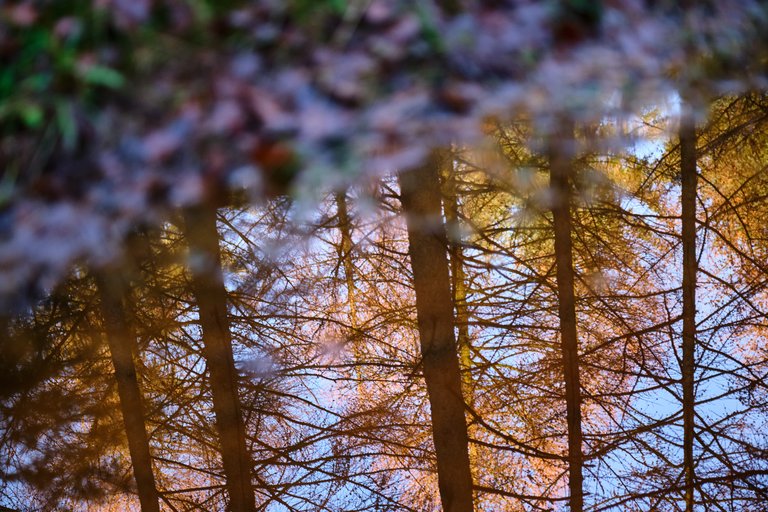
<point>688,191</point>
<point>561,173</point>
<point>121,339</point>
<point>421,198</point>
<point>211,297</point>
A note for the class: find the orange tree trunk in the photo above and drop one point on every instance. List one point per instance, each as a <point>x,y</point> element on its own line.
<point>211,298</point>
<point>421,199</point>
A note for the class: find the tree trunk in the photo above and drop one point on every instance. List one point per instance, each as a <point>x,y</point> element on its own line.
<point>561,172</point>
<point>421,199</point>
<point>458,282</point>
<point>211,297</point>
<point>122,347</point>
<point>688,192</point>
<point>345,255</point>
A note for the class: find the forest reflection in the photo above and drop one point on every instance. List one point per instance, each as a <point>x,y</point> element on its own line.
<point>533,322</point>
